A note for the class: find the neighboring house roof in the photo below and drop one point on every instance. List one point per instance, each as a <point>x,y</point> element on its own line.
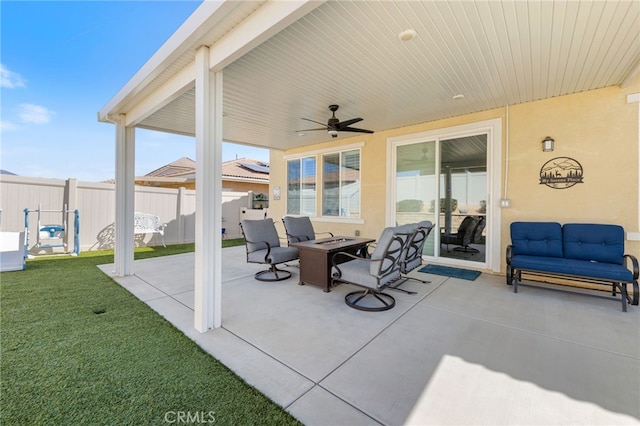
<point>241,169</point>
<point>179,167</point>
<point>6,172</point>
<point>246,168</point>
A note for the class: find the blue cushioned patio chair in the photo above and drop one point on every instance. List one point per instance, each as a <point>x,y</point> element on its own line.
<point>374,273</point>
<point>300,229</point>
<point>263,246</point>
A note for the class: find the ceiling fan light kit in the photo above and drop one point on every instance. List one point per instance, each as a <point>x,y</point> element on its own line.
<point>334,125</point>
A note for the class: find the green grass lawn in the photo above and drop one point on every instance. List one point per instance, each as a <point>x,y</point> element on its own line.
<point>79,349</point>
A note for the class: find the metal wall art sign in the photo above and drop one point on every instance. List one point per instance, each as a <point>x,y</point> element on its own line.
<point>561,173</point>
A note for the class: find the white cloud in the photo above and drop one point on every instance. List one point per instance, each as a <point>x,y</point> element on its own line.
<point>7,126</point>
<point>10,79</point>
<point>30,113</point>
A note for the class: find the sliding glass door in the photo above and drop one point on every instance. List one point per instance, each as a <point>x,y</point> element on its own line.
<point>445,180</point>
<point>463,201</point>
<point>416,186</point>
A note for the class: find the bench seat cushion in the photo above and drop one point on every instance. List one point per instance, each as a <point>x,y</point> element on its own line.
<point>597,242</point>
<point>537,238</point>
<point>581,268</point>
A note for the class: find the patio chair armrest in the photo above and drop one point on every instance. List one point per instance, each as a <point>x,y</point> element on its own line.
<point>342,254</point>
<point>634,265</point>
<point>365,251</point>
<point>330,233</point>
<point>266,256</point>
<point>297,238</point>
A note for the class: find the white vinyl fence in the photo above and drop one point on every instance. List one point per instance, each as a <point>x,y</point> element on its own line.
<point>95,203</point>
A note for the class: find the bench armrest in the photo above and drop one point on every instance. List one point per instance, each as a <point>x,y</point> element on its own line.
<point>634,265</point>
<point>509,254</point>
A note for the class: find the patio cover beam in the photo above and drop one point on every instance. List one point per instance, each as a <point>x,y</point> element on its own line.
<point>264,23</point>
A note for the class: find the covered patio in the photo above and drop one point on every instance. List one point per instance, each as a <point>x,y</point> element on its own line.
<point>458,352</point>
<point>257,72</point>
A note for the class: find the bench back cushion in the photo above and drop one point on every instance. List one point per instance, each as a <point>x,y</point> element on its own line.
<point>536,238</point>
<point>594,242</point>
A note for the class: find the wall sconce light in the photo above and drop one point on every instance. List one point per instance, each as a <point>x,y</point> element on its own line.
<point>547,144</point>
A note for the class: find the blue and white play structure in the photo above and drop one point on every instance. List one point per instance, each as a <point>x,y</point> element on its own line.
<point>53,236</point>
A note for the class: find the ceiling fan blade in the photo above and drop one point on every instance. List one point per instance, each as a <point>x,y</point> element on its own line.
<point>313,121</point>
<point>310,130</point>
<point>354,129</point>
<point>347,123</point>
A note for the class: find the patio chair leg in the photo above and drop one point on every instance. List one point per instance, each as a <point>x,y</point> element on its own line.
<point>403,280</point>
<point>272,274</point>
<point>396,287</point>
<point>353,298</point>
<point>419,280</point>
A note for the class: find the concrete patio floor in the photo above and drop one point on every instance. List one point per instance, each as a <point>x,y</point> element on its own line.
<point>458,352</point>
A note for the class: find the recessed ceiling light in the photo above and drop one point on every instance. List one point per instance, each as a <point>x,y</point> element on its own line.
<point>458,97</point>
<point>300,133</point>
<point>407,35</point>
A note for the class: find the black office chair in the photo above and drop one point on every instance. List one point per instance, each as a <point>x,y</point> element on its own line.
<point>463,237</point>
<point>477,233</point>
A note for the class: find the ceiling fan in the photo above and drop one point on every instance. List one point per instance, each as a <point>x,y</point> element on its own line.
<point>334,125</point>
<point>426,156</point>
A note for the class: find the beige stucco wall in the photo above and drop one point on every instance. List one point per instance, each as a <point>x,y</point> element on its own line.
<point>598,128</point>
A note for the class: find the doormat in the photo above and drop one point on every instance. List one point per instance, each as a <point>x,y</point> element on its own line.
<point>447,271</point>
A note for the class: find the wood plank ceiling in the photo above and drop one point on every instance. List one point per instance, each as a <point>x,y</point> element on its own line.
<point>495,53</point>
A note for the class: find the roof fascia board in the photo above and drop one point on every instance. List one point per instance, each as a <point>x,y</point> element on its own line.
<point>163,179</point>
<point>232,178</point>
<point>264,23</point>
<point>200,21</point>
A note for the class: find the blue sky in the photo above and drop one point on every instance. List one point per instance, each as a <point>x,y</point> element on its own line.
<point>61,62</point>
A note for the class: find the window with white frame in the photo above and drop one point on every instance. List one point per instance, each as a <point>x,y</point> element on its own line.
<point>341,184</point>
<point>301,186</point>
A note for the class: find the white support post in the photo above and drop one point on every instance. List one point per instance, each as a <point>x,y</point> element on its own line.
<point>208,251</point>
<point>125,198</point>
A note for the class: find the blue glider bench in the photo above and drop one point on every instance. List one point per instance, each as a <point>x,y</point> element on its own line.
<point>585,252</point>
